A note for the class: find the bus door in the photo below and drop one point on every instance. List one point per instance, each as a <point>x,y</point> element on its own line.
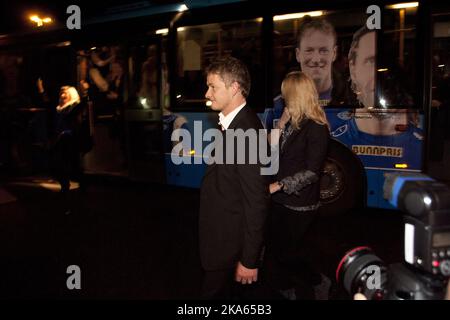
<point>103,69</point>
<point>439,133</point>
<point>144,113</point>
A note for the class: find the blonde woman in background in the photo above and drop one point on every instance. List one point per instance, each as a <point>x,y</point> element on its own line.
<point>72,137</point>
<point>295,190</point>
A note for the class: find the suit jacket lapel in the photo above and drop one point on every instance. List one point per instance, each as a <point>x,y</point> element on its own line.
<point>241,114</point>
<point>210,168</point>
<point>233,125</point>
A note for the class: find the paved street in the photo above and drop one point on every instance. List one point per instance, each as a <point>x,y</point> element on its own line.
<point>139,241</point>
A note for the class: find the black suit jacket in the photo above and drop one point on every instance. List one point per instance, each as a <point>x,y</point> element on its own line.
<point>304,150</point>
<point>234,203</point>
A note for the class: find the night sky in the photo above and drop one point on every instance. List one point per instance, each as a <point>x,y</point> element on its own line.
<point>15,13</point>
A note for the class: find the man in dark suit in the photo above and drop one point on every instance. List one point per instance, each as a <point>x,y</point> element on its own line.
<point>234,200</point>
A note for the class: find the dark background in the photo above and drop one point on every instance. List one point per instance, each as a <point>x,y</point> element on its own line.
<point>14,14</point>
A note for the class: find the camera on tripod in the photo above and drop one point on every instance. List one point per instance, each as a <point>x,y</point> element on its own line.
<point>426,268</point>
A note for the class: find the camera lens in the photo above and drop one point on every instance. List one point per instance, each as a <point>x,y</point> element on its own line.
<point>360,270</point>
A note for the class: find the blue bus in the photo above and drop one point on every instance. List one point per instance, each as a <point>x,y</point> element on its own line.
<point>381,72</point>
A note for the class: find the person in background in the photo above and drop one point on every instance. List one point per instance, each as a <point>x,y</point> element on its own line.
<point>295,190</point>
<point>72,138</point>
<point>234,198</point>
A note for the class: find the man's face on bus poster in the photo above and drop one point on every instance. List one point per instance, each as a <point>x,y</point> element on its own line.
<point>316,53</point>
<point>362,70</point>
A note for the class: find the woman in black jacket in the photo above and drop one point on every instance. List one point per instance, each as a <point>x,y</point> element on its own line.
<point>71,136</point>
<point>303,141</point>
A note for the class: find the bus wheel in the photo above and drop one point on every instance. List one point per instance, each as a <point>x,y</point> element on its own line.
<point>343,181</point>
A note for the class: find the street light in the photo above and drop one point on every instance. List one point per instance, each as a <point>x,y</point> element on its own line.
<point>405,5</point>
<point>40,21</point>
<point>299,15</point>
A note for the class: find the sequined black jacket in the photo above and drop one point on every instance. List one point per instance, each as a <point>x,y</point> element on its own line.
<point>302,156</point>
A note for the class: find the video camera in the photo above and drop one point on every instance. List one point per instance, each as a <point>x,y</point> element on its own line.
<point>425,272</point>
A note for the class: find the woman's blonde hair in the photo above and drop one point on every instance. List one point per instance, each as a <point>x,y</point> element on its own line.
<point>301,98</point>
<point>73,101</point>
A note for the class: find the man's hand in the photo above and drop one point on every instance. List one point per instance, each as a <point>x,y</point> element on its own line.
<point>245,275</point>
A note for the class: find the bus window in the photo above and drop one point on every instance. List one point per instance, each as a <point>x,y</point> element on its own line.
<point>440,99</point>
<point>365,79</point>
<point>318,44</point>
<point>10,68</point>
<point>165,93</point>
<point>21,69</point>
<point>148,75</point>
<point>30,79</point>
<point>148,86</point>
<point>341,54</point>
<point>104,69</point>
<point>14,146</point>
<point>396,70</point>
<point>198,45</point>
